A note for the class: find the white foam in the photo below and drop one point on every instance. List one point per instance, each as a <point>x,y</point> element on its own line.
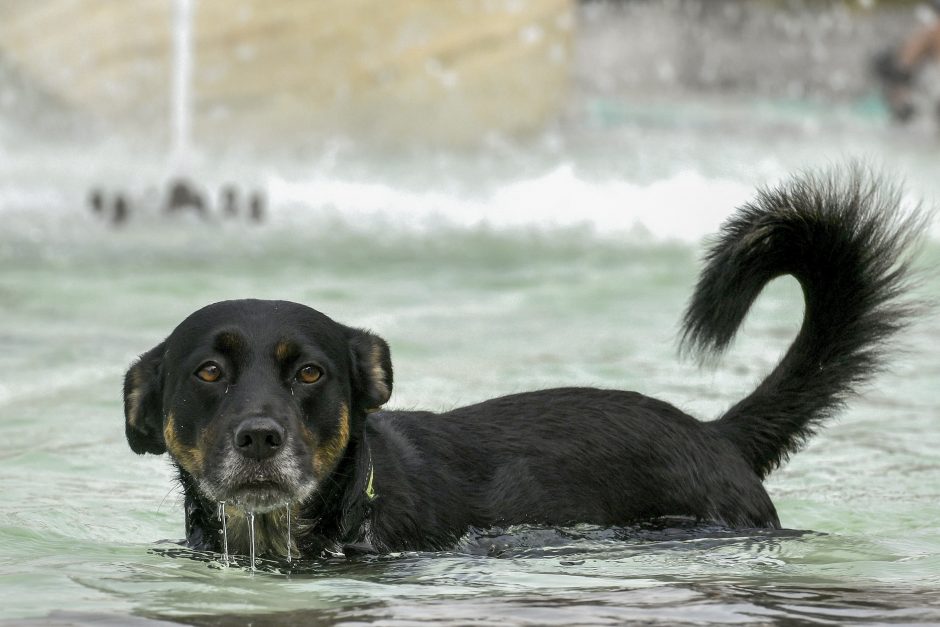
<point>684,207</point>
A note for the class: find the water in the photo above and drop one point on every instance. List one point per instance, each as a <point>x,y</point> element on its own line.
<point>561,261</point>
<point>224,520</point>
<point>252,562</point>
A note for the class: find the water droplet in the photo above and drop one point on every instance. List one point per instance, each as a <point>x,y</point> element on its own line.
<point>251,536</point>
<point>224,532</point>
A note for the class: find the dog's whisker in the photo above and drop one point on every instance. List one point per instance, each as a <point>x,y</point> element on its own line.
<point>176,486</point>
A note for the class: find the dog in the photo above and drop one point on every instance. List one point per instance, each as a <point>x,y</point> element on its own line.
<point>272,411</point>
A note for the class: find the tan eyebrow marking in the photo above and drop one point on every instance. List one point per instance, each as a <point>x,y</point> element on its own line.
<point>229,341</point>
<point>284,350</point>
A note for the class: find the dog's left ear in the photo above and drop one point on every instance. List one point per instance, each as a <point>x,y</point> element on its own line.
<point>371,363</point>
<point>143,403</point>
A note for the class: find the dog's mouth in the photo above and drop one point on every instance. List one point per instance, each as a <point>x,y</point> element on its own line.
<point>258,487</point>
<point>260,495</point>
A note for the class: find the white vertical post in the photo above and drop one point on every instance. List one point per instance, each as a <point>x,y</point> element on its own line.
<point>181,91</point>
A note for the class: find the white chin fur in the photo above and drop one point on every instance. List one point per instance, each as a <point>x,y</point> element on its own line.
<point>288,485</point>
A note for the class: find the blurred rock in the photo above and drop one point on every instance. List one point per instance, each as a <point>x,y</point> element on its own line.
<point>293,71</point>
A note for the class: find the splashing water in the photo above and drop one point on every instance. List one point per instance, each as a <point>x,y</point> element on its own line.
<point>250,516</point>
<point>181,93</point>
<point>222,519</point>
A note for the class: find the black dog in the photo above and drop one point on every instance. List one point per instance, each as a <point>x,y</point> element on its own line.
<point>272,407</point>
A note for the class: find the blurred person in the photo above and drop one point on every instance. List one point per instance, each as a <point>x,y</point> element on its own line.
<point>122,210</point>
<point>96,200</point>
<point>183,196</point>
<point>229,201</point>
<point>119,210</point>
<point>899,69</point>
<point>257,206</point>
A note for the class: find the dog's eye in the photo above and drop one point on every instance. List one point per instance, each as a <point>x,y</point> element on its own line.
<point>309,374</point>
<point>209,372</point>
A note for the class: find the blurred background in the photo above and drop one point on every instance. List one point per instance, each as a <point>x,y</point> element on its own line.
<point>514,194</point>
<point>451,97</point>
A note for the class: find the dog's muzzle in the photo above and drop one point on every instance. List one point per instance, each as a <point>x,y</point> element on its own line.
<point>259,468</point>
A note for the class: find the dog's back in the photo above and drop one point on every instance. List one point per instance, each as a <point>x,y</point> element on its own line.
<point>554,457</point>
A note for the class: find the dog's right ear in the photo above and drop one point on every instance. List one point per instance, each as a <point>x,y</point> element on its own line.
<point>143,403</point>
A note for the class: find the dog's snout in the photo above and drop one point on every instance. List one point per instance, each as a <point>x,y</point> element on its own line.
<point>259,438</point>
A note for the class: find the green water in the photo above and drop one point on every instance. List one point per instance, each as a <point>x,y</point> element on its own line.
<point>565,261</point>
<point>469,313</point>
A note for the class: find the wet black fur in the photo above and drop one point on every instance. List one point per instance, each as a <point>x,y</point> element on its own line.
<point>583,455</point>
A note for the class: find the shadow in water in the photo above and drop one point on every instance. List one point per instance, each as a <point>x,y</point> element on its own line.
<point>662,534</point>
<point>676,598</point>
<point>521,541</point>
<point>732,603</point>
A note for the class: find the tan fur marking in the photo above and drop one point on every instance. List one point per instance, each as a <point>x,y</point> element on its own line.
<point>228,340</point>
<point>190,458</point>
<point>133,399</point>
<point>327,454</point>
<point>282,350</point>
<point>309,438</point>
<point>378,372</point>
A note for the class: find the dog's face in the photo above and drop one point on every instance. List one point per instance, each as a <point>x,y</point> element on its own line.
<point>256,400</point>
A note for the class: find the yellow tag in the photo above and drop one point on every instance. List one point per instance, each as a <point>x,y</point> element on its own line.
<point>370,490</point>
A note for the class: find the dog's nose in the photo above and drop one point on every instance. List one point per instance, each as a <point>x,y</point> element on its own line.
<point>258,438</point>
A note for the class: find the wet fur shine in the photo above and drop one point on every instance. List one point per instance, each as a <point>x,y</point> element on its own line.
<point>362,479</point>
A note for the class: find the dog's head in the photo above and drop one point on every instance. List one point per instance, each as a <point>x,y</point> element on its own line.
<point>256,400</point>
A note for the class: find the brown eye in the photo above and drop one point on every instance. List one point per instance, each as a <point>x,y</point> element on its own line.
<point>309,374</point>
<point>209,372</point>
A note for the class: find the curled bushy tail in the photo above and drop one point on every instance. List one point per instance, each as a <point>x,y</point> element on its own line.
<point>846,242</point>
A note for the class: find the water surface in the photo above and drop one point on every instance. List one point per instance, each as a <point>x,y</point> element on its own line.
<point>562,262</point>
